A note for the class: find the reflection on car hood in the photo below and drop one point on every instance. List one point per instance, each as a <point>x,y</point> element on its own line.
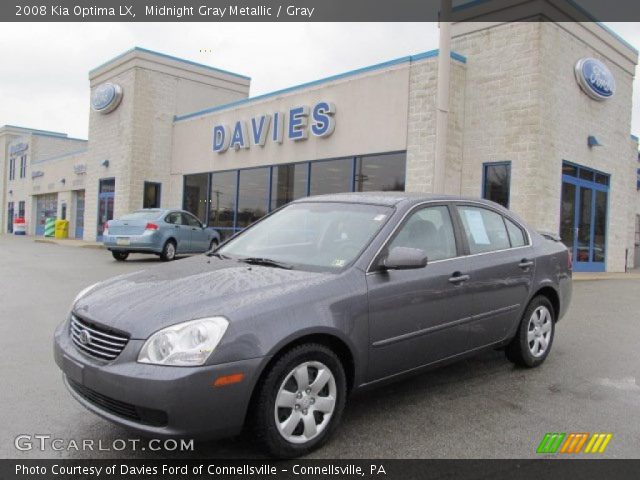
<point>141,303</point>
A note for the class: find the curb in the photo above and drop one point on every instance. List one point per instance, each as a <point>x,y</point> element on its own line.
<point>76,245</point>
<point>622,276</point>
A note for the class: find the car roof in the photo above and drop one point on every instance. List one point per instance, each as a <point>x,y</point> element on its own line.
<point>387,198</point>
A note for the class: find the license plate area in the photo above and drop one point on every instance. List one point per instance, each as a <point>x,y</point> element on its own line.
<point>123,241</point>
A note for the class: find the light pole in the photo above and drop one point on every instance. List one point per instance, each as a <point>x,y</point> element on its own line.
<point>442,97</point>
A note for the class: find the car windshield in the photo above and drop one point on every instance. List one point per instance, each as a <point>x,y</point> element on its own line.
<point>320,236</point>
<point>141,215</point>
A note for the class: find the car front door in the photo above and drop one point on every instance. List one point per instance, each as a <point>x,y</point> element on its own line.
<point>417,317</point>
<point>502,265</point>
<point>180,232</point>
<point>198,235</point>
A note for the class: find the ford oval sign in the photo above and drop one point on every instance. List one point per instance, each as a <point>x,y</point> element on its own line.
<point>595,79</point>
<point>106,97</point>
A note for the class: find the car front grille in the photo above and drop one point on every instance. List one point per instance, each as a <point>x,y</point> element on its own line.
<point>122,409</point>
<point>95,341</point>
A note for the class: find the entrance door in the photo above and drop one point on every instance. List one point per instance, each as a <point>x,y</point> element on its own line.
<point>106,198</point>
<point>79,214</point>
<point>10,217</point>
<point>583,224</point>
<point>46,207</point>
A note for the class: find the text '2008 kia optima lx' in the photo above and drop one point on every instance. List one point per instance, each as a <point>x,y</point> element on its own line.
<point>275,328</point>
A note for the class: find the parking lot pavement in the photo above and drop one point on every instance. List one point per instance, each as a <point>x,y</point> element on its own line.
<point>482,407</point>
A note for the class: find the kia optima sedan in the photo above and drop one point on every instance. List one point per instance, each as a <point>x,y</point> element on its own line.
<point>275,328</point>
<point>165,233</point>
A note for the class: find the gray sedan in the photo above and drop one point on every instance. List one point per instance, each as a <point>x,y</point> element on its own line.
<point>328,295</point>
<point>166,233</point>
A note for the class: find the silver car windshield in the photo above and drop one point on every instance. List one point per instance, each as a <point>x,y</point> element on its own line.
<point>316,236</point>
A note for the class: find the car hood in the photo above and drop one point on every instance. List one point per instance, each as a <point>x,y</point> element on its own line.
<point>143,302</point>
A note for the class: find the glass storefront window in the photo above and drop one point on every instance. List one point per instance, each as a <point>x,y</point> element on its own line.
<point>497,181</point>
<point>380,173</point>
<point>223,199</point>
<point>253,197</point>
<point>151,196</point>
<point>332,176</point>
<point>195,195</point>
<point>288,183</point>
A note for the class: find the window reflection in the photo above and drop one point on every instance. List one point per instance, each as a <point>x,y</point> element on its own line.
<point>289,183</point>
<point>333,176</point>
<point>253,196</point>
<point>380,173</point>
<point>223,199</point>
<point>497,180</point>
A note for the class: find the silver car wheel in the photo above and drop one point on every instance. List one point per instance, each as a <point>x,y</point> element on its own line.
<point>171,251</point>
<point>305,402</point>
<point>539,331</point>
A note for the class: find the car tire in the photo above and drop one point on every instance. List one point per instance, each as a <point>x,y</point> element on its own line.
<point>532,344</point>
<point>303,408</point>
<point>120,256</point>
<point>168,251</point>
<point>213,245</point>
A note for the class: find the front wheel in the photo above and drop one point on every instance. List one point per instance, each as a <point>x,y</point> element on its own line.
<point>300,401</point>
<point>532,343</point>
<point>213,245</point>
<point>120,256</point>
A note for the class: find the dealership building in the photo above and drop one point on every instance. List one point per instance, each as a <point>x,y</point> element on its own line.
<point>539,120</point>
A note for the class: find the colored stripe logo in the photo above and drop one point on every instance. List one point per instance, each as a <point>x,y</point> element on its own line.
<point>574,442</point>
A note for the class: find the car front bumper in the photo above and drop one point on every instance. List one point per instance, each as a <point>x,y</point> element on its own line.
<point>155,400</point>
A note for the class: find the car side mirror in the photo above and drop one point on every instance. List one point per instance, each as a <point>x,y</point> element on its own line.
<point>404,258</point>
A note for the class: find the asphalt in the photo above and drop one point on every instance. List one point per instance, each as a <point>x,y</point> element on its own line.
<point>483,407</point>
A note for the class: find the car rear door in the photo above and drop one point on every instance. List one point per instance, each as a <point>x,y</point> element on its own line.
<point>417,317</point>
<point>179,231</point>
<point>502,265</point>
<point>198,235</point>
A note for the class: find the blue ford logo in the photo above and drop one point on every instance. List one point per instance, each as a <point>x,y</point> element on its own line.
<point>106,97</point>
<point>595,79</point>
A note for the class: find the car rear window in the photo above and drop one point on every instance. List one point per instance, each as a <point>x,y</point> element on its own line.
<point>141,215</point>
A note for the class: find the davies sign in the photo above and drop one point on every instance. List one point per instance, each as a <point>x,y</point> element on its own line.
<point>296,124</point>
<point>595,79</point>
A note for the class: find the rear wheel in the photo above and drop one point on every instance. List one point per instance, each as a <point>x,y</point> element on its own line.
<point>168,251</point>
<point>300,401</point>
<point>532,343</point>
<point>120,256</point>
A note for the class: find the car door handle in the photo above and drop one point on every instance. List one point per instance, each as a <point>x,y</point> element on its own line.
<point>176,226</point>
<point>525,263</point>
<point>458,277</point>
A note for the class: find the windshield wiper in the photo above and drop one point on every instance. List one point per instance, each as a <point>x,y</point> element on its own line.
<point>267,262</point>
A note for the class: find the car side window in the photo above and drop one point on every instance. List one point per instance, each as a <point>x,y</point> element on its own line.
<point>516,235</point>
<point>174,218</point>
<point>430,229</point>
<point>190,220</point>
<point>485,229</point>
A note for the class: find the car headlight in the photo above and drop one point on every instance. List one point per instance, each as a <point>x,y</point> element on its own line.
<point>185,344</point>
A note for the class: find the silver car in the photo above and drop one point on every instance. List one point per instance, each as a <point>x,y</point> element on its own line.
<point>162,232</point>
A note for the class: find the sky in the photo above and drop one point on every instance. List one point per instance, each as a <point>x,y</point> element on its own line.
<point>44,66</point>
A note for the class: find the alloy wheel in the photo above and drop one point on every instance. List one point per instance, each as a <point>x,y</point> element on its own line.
<point>305,402</point>
<point>539,331</point>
